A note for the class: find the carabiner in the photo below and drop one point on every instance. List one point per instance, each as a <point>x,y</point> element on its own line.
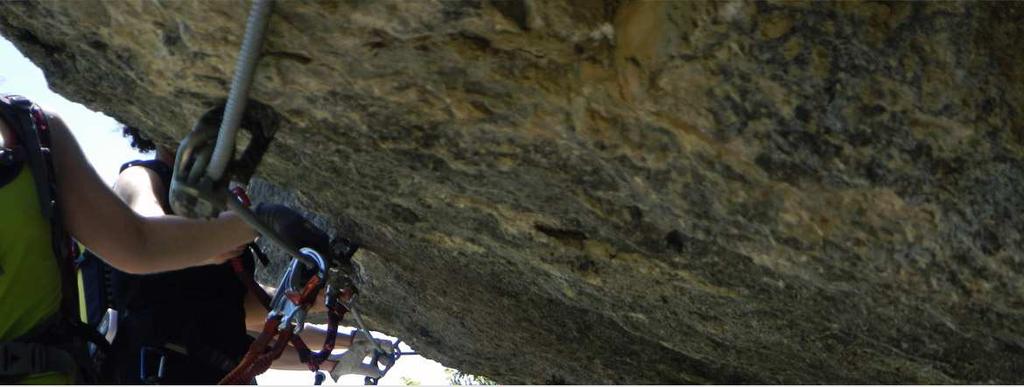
<point>298,289</point>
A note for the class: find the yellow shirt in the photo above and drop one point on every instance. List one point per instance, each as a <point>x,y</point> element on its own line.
<point>29,277</point>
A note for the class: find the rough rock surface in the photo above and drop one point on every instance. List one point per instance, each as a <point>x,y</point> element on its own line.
<point>622,191</point>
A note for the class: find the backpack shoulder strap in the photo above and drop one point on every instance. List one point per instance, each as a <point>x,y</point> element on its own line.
<point>33,132</point>
<point>163,171</point>
<point>31,127</point>
<point>19,112</point>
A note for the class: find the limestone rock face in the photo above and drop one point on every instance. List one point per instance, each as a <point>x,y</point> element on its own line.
<point>588,191</point>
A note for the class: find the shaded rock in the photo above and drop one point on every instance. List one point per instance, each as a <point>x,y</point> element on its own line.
<point>624,192</point>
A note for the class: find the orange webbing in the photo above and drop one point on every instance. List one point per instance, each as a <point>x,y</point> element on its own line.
<point>263,362</point>
<point>258,359</point>
<point>258,347</point>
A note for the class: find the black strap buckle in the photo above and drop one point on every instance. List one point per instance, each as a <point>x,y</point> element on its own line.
<point>152,359</point>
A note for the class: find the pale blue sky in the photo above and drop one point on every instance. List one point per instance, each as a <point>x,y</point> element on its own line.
<point>99,135</point>
<point>105,148</point>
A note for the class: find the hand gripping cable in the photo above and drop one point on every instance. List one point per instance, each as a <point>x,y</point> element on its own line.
<point>195,195</point>
<point>199,189</point>
<point>200,170</point>
<point>199,184</point>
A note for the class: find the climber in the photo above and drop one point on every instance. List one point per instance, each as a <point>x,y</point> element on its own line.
<point>193,320</point>
<point>49,193</point>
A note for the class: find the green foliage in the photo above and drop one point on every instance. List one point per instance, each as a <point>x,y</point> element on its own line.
<point>459,378</point>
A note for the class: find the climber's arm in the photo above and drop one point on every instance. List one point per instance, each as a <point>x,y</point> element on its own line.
<point>95,216</point>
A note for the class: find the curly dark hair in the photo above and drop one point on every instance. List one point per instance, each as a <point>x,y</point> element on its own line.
<point>139,142</point>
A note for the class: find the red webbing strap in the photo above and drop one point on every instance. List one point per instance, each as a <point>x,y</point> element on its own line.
<point>334,316</point>
<point>312,359</point>
<point>239,267</point>
<point>263,362</point>
<point>258,347</point>
<point>242,373</point>
<point>259,358</point>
